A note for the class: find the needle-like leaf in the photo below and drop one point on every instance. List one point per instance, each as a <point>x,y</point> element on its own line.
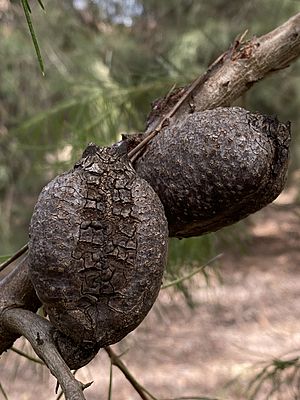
<point>28,6</point>
<point>27,12</point>
<point>41,4</point>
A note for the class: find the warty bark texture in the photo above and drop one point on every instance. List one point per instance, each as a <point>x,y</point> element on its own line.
<point>215,167</point>
<point>97,250</point>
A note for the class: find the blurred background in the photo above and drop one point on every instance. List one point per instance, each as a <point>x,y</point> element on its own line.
<point>105,62</point>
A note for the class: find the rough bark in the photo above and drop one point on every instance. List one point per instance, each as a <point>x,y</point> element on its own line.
<point>216,167</point>
<point>38,331</point>
<point>16,292</point>
<point>97,249</point>
<point>235,71</point>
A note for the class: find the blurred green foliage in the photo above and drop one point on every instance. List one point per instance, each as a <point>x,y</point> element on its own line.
<point>105,61</point>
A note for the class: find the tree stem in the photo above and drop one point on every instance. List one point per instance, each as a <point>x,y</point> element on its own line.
<point>38,331</point>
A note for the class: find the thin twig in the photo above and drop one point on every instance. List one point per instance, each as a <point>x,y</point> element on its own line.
<point>165,119</point>
<point>30,358</point>
<point>3,392</point>
<point>191,274</point>
<point>41,4</point>
<point>18,254</point>
<point>197,83</point>
<point>115,360</point>
<point>109,396</point>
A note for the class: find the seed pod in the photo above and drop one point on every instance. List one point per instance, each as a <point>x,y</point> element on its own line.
<point>216,167</point>
<point>97,250</point>
<point>76,355</point>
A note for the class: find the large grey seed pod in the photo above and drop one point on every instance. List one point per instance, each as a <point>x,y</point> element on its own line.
<point>97,249</point>
<point>216,167</point>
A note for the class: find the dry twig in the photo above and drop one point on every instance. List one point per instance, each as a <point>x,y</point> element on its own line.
<point>115,360</point>
<point>38,331</point>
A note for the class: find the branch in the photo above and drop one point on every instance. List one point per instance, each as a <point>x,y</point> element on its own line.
<point>27,356</point>
<point>235,71</point>
<point>248,63</point>
<point>16,291</point>
<point>38,331</point>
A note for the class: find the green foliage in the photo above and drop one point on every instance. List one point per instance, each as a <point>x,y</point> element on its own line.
<point>184,258</point>
<point>4,258</point>
<point>188,251</point>
<point>27,12</point>
<point>106,61</point>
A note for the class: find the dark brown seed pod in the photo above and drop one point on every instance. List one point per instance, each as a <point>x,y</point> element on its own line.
<point>97,249</point>
<point>76,355</point>
<point>216,167</point>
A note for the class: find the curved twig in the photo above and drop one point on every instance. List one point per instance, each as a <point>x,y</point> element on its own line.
<point>38,331</point>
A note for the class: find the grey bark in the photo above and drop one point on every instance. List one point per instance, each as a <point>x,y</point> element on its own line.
<point>16,291</point>
<point>237,70</point>
<point>38,331</point>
